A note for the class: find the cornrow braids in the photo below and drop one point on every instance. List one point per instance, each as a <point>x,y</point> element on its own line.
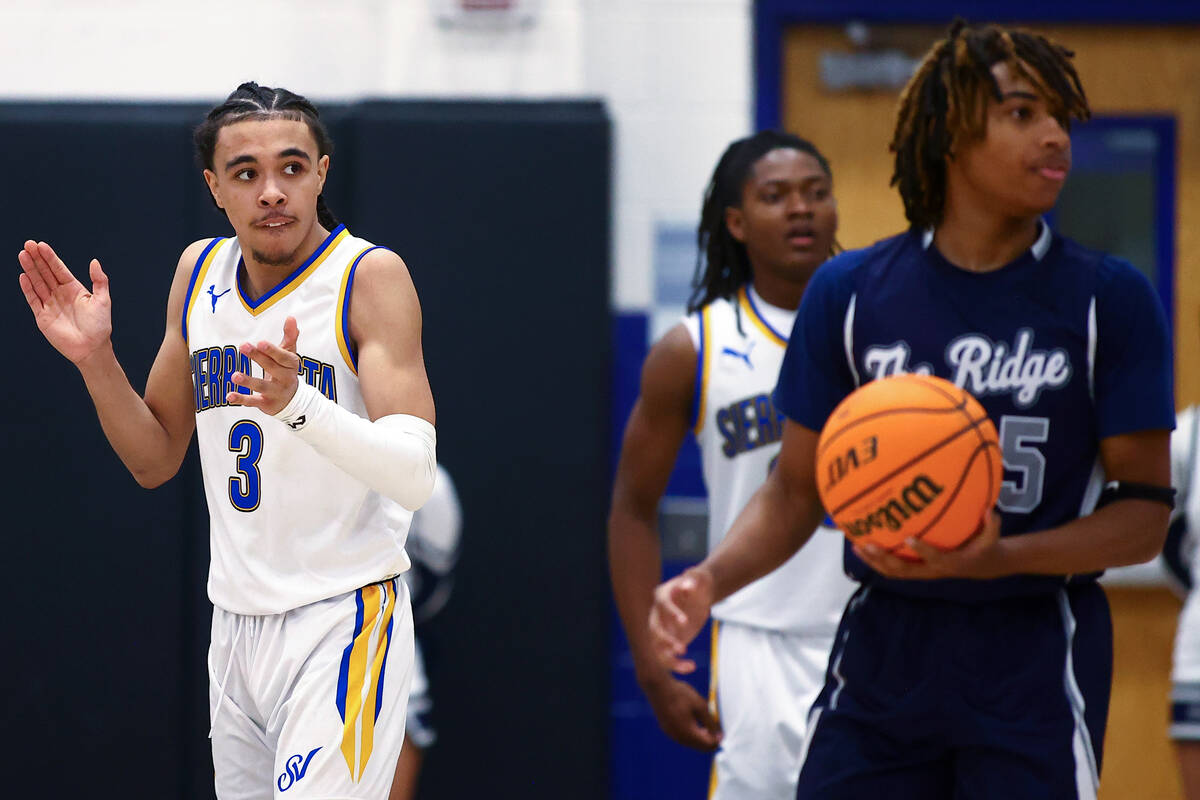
<point>253,102</point>
<point>722,264</point>
<point>945,102</point>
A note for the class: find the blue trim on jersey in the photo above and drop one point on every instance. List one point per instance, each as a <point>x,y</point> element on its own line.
<point>187,298</point>
<point>286,282</point>
<point>694,416</point>
<point>1018,339</point>
<point>761,318</point>
<point>344,671</point>
<point>345,321</point>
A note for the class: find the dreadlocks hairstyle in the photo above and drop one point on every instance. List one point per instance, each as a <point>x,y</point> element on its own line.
<point>945,102</point>
<point>253,102</point>
<point>722,264</point>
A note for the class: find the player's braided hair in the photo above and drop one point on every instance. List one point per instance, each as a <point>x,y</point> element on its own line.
<point>253,102</point>
<point>945,102</point>
<point>722,264</point>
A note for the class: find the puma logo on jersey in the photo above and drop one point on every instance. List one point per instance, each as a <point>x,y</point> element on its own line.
<point>212,292</point>
<point>729,351</point>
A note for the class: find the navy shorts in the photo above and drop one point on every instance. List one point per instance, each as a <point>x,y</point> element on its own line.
<point>932,699</point>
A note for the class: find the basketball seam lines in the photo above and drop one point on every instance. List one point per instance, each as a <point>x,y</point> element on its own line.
<point>950,500</point>
<point>907,464</point>
<point>957,404</point>
<point>833,435</point>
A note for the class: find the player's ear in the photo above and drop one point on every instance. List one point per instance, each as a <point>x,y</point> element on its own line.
<point>322,169</point>
<point>210,178</point>
<point>735,222</point>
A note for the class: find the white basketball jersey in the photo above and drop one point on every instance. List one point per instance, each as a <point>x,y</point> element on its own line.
<point>740,343</point>
<point>287,527</point>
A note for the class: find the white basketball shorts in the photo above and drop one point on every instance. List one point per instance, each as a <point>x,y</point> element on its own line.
<point>763,684</point>
<point>310,703</point>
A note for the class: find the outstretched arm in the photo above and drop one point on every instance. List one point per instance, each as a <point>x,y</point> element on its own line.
<point>393,452</point>
<point>653,436</point>
<point>150,434</point>
<point>778,520</point>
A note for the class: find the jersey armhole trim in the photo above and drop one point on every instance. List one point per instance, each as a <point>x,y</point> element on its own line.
<point>198,274</point>
<point>848,338</point>
<point>342,318</point>
<point>701,371</point>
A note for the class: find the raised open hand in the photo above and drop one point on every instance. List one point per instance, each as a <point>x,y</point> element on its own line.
<point>75,321</point>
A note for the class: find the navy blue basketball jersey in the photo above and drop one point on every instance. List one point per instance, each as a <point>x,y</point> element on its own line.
<point>1064,346</point>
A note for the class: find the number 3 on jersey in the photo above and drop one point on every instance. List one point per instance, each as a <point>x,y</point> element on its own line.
<point>246,439</point>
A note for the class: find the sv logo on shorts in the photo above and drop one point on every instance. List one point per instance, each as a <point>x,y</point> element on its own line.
<point>294,769</point>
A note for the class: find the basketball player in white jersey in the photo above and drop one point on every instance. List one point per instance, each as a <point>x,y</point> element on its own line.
<point>315,451</point>
<point>768,221</point>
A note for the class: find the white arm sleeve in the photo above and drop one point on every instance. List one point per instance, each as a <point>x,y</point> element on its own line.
<point>394,455</point>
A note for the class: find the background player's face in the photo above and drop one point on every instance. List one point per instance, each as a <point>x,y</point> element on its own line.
<point>1019,167</point>
<point>266,177</point>
<point>788,217</point>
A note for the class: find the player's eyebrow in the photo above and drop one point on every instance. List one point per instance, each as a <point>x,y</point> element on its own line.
<point>242,159</point>
<point>291,152</point>
<point>1020,95</point>
<point>804,180</point>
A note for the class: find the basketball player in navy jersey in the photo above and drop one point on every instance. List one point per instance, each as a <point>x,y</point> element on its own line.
<point>768,221</point>
<point>982,672</point>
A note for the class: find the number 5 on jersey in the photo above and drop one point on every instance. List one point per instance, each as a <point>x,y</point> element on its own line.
<point>246,439</point>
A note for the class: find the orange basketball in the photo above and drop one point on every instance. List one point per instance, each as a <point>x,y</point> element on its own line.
<point>909,456</point>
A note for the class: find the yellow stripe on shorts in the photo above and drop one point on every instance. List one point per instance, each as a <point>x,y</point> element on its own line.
<point>364,674</point>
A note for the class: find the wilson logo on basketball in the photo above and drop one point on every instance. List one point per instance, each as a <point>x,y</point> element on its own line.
<point>908,503</point>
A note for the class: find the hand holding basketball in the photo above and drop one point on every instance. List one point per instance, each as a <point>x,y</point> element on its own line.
<point>908,458</point>
<point>979,557</point>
